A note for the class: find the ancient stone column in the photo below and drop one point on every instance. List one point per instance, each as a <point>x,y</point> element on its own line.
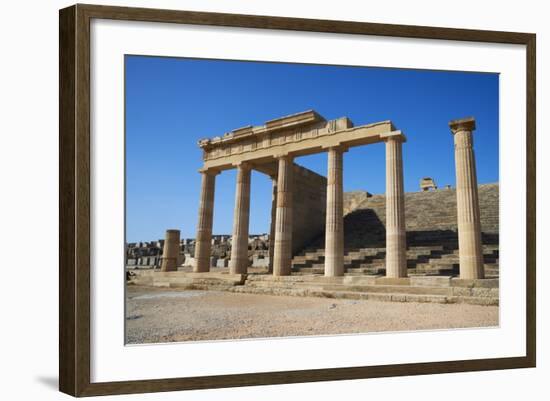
<point>467,202</point>
<point>396,247</point>
<point>239,244</point>
<point>334,229</point>
<point>203,244</point>
<point>171,251</point>
<point>282,254</point>
<point>272,225</point>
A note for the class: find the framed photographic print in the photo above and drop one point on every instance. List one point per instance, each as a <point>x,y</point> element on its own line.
<point>250,200</point>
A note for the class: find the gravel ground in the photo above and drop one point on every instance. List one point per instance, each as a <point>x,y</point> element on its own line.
<point>165,315</point>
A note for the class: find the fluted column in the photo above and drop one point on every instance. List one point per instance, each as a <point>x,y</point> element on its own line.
<point>282,255</point>
<point>239,244</point>
<point>272,225</point>
<point>203,241</point>
<point>170,251</point>
<point>396,248</point>
<point>334,230</point>
<point>467,202</point>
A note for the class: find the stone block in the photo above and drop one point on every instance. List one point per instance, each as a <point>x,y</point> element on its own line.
<point>260,261</point>
<point>430,281</point>
<point>459,282</point>
<point>485,292</point>
<point>365,280</point>
<point>392,281</point>
<point>399,297</point>
<point>487,283</point>
<point>189,261</point>
<point>426,298</point>
<point>462,291</point>
<point>485,301</point>
<point>222,263</point>
<point>380,297</point>
<point>478,283</point>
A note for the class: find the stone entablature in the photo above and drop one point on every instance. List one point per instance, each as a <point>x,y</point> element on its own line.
<point>294,121</point>
<point>264,138</point>
<point>298,134</point>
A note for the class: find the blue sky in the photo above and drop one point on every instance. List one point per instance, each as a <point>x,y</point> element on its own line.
<point>173,102</point>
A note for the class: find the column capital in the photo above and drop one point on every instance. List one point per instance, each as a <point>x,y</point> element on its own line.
<point>462,124</point>
<point>209,171</point>
<point>243,165</point>
<point>287,156</point>
<point>393,136</point>
<point>339,147</point>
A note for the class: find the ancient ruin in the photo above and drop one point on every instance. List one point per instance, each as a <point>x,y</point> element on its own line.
<point>427,184</point>
<point>171,251</point>
<point>312,239</point>
<point>271,149</point>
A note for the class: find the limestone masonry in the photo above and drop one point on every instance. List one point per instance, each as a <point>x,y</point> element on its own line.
<point>430,220</point>
<point>317,229</point>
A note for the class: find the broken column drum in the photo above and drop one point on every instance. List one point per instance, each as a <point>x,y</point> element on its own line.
<point>171,251</point>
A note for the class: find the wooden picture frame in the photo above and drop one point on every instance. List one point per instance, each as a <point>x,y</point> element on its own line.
<point>74,203</point>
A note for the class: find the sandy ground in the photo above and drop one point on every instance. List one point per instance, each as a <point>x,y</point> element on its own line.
<point>165,315</point>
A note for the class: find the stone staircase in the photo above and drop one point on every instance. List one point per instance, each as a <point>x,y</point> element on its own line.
<point>432,239</point>
<point>424,260</point>
<point>433,289</point>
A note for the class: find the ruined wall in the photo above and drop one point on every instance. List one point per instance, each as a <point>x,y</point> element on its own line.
<point>310,197</point>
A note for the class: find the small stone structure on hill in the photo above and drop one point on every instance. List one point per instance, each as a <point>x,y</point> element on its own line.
<point>427,184</point>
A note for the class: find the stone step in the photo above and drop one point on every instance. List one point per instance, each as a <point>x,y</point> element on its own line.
<point>381,262</point>
<point>421,259</point>
<point>448,264</point>
<point>444,259</point>
<point>411,252</point>
<point>383,297</point>
<point>426,248</point>
<point>312,278</point>
<point>372,287</point>
<point>365,269</point>
<point>355,287</point>
<point>186,280</point>
<point>378,253</point>
<point>373,283</point>
<point>309,270</point>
